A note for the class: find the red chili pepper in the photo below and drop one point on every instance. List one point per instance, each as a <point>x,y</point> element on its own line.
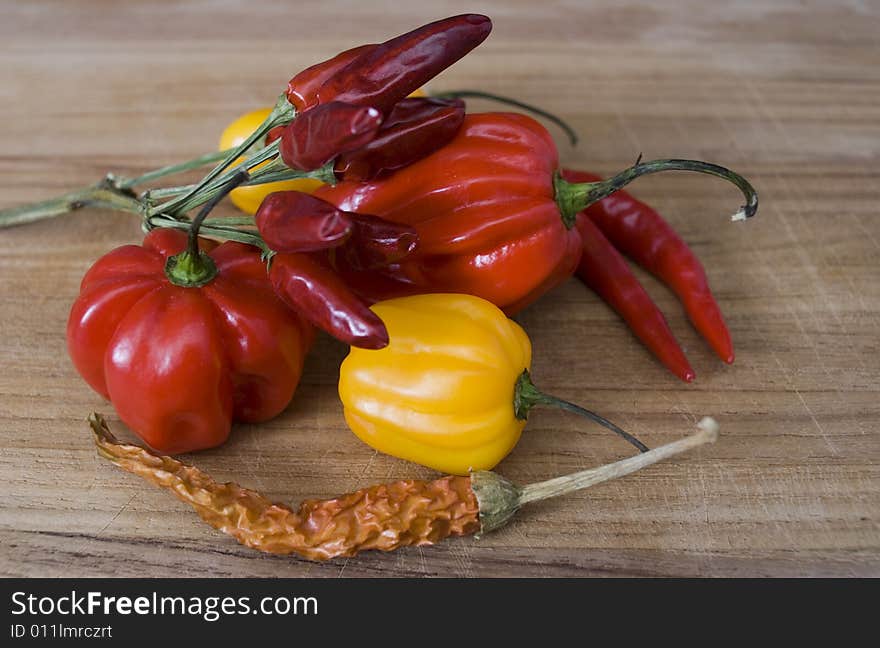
<point>293,221</point>
<point>302,90</point>
<point>320,134</point>
<point>383,75</point>
<point>180,363</point>
<point>607,274</point>
<point>638,231</point>
<point>494,218</point>
<point>415,128</point>
<point>318,294</point>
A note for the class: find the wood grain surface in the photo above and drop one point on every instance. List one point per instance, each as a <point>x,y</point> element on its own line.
<point>787,92</point>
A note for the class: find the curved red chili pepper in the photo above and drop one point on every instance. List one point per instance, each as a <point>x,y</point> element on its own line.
<point>416,127</point>
<point>383,75</point>
<point>637,230</point>
<point>302,89</point>
<point>293,221</point>
<point>606,273</point>
<point>320,134</point>
<point>318,294</point>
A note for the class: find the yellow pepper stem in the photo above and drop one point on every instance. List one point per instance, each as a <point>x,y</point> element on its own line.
<point>526,396</point>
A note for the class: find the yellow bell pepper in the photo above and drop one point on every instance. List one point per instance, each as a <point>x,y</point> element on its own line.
<point>451,391</point>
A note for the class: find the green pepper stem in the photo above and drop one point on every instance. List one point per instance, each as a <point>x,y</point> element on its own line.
<point>192,267</point>
<point>106,194</point>
<point>171,169</point>
<point>526,396</point>
<point>113,192</point>
<point>575,197</point>
<point>193,241</point>
<point>516,103</point>
<point>282,113</point>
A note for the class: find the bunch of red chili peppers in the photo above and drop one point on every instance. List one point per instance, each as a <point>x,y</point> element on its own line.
<point>185,335</point>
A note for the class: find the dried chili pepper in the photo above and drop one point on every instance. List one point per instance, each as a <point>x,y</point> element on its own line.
<point>302,89</point>
<point>318,294</point>
<point>376,242</point>
<point>415,128</point>
<point>384,517</point>
<point>293,221</point>
<point>493,215</point>
<point>452,389</point>
<point>637,230</point>
<point>383,75</point>
<point>322,133</point>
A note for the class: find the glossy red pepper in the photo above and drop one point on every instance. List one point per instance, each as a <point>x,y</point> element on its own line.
<point>637,230</point>
<point>312,289</point>
<point>484,210</point>
<point>415,128</point>
<point>322,133</point>
<point>493,216</point>
<point>604,270</point>
<point>383,75</point>
<point>293,221</point>
<point>181,363</point>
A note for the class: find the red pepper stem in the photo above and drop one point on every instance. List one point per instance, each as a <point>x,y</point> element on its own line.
<point>516,103</point>
<point>192,268</point>
<point>526,396</point>
<point>575,197</point>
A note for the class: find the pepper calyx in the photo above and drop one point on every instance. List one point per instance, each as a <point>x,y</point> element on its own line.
<point>190,271</point>
<point>569,198</point>
<point>498,499</point>
<point>526,396</point>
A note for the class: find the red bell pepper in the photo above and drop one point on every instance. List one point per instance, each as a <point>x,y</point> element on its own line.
<point>494,216</point>
<point>181,362</point>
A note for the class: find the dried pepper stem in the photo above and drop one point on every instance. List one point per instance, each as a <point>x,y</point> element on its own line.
<point>384,517</point>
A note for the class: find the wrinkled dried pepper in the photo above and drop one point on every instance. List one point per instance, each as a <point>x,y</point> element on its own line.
<point>383,517</point>
<point>383,75</point>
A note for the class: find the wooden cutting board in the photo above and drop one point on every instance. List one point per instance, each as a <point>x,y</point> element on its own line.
<point>787,93</point>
